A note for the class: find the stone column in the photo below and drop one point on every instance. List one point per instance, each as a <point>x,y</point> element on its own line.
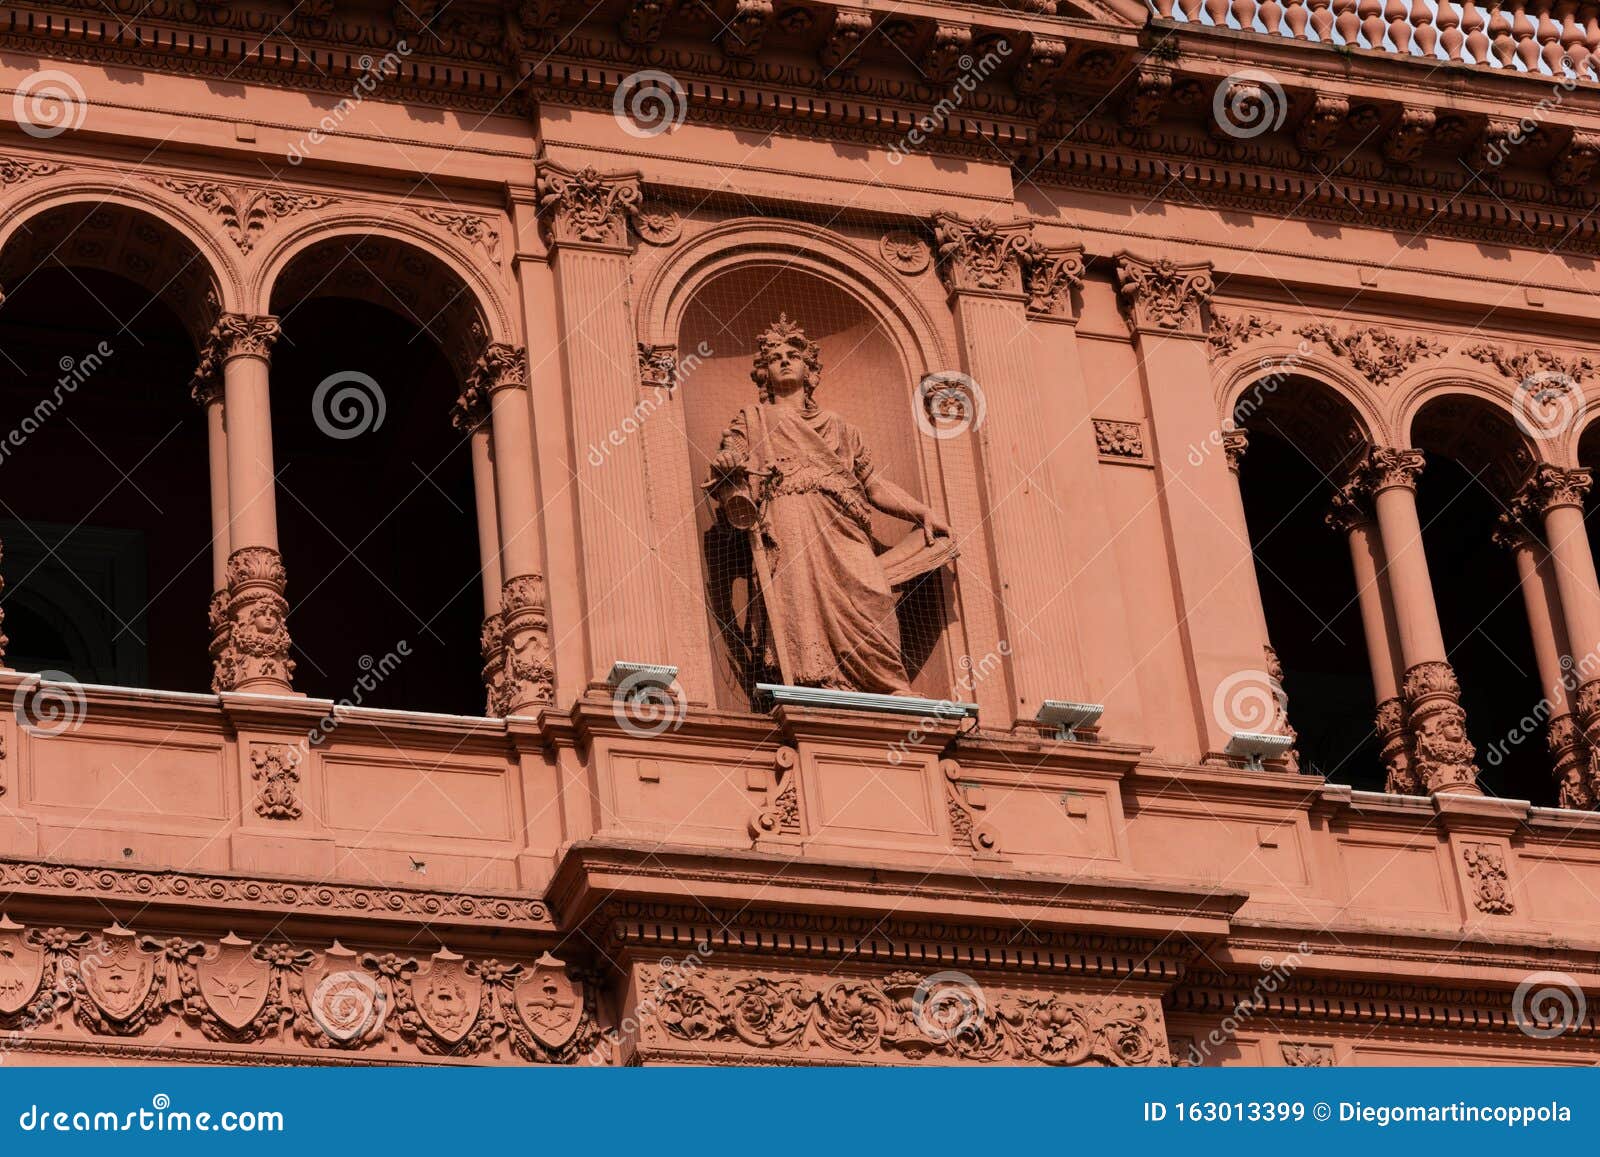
<point>1537,581</point>
<point>207,391</point>
<point>1444,755</point>
<point>471,417</point>
<point>983,265</point>
<point>588,215</point>
<point>256,657</point>
<point>1218,600</point>
<point>1352,516</point>
<point>1555,497</point>
<point>528,678</point>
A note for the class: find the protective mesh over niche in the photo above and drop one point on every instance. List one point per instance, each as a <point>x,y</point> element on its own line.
<point>867,383</point>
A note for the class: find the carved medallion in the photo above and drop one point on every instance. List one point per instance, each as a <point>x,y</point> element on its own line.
<point>233,983</point>
<point>447,998</point>
<point>21,968</point>
<point>550,1002</point>
<point>905,251</point>
<point>117,977</point>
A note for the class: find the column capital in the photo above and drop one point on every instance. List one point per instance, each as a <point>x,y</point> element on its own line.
<point>1552,486</point>
<point>1512,532</point>
<point>1234,443</point>
<point>1389,467</point>
<point>1049,276</point>
<point>242,335</point>
<point>983,256</point>
<point>588,208</point>
<point>501,366</point>
<point>205,386</point>
<point>1351,505</point>
<point>1163,294</point>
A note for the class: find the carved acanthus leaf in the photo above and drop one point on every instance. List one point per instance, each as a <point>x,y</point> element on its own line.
<point>245,211</point>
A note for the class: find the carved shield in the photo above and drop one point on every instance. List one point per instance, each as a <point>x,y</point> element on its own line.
<point>447,997</point>
<point>550,1002</point>
<point>345,1000</point>
<point>21,968</point>
<point>115,974</point>
<point>234,983</point>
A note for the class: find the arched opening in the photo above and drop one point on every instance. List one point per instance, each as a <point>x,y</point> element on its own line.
<point>1476,462</point>
<point>866,383</point>
<point>376,511</point>
<point>1303,441</point>
<point>104,508</point>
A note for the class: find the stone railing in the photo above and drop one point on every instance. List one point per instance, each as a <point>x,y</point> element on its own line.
<point>1544,37</point>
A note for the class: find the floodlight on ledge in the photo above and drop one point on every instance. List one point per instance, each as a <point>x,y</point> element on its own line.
<point>1255,746</point>
<point>1068,718</point>
<point>636,675</point>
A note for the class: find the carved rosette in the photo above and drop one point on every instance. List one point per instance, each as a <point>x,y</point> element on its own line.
<point>239,335</point>
<point>257,653</point>
<point>528,674</point>
<point>1491,882</point>
<point>1162,294</point>
<point>754,1016</point>
<point>1395,749</point>
<point>982,255</point>
<point>1444,755</point>
<point>588,207</point>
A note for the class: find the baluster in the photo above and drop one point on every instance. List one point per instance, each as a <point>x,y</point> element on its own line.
<point>1218,11</point>
<point>1591,37</point>
<point>1244,11</point>
<point>1164,9</point>
<point>1450,34</point>
<point>1271,16</point>
<point>1399,28</point>
<point>1500,42</point>
<point>1372,25</point>
<point>1321,20</point>
<point>1550,54</point>
<point>1345,22</point>
<point>1572,46</point>
<point>1423,34</point>
<point>1472,26</point>
<point>1523,32</point>
<point>1190,10</point>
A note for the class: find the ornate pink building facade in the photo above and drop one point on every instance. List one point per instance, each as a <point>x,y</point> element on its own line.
<point>1217,762</point>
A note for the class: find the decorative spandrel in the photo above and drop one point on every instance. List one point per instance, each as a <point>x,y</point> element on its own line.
<point>801,486</point>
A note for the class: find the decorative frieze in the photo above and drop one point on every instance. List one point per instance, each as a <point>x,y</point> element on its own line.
<point>588,207</point>
<point>277,771</point>
<point>1162,294</point>
<point>1491,883</point>
<point>903,1016</point>
<point>1374,351</point>
<point>244,211</point>
<point>1228,331</point>
<point>288,998</point>
<point>1521,364</point>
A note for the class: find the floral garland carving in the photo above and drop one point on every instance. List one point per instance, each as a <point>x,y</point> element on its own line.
<point>124,984</point>
<point>1229,331</point>
<point>862,1019</point>
<point>246,211</point>
<point>14,169</point>
<point>1377,353</point>
<point>472,229</point>
<point>1523,365</point>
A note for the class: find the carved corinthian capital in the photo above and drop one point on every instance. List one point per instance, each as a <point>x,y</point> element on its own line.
<point>1387,467</point>
<point>1163,294</point>
<point>1551,486</point>
<point>239,335</point>
<point>1050,276</point>
<point>982,255</point>
<point>256,654</point>
<point>588,207</point>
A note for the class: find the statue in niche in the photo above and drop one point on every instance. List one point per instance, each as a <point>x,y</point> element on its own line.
<point>801,483</point>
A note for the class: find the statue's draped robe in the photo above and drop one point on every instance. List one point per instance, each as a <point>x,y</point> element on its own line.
<point>838,612</point>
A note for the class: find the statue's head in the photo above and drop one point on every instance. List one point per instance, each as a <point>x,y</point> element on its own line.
<point>786,360</point>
